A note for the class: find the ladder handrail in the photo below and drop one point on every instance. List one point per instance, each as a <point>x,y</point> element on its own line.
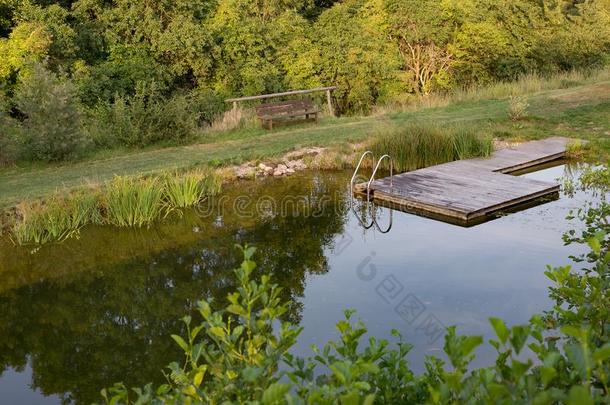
<point>368,185</point>
<point>389,224</point>
<point>351,190</point>
<point>351,183</point>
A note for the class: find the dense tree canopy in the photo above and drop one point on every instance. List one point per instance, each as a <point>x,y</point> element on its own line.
<point>375,51</point>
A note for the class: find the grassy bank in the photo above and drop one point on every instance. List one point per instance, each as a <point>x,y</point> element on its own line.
<point>573,107</point>
<point>123,202</point>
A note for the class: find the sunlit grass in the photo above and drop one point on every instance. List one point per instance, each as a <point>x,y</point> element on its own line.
<point>124,202</point>
<point>414,146</point>
<point>55,219</point>
<point>132,202</point>
<point>188,189</point>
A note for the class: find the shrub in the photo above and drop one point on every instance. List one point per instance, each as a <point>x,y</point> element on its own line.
<point>51,129</point>
<point>145,118</point>
<point>415,146</point>
<point>517,108</point>
<point>207,105</point>
<point>8,146</point>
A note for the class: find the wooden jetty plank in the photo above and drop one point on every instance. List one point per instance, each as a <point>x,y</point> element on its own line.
<point>469,190</point>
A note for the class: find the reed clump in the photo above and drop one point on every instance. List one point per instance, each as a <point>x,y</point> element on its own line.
<point>124,202</point>
<point>132,202</point>
<point>415,146</point>
<point>186,190</point>
<point>55,219</point>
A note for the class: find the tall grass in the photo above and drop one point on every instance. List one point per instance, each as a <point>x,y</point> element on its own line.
<point>234,118</point>
<point>132,202</point>
<point>415,146</point>
<point>124,201</point>
<point>186,190</point>
<point>55,219</point>
<point>526,84</point>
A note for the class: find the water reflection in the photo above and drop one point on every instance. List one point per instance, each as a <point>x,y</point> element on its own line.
<point>89,312</point>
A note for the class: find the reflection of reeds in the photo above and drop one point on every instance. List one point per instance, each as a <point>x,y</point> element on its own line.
<point>415,146</point>
<point>124,201</point>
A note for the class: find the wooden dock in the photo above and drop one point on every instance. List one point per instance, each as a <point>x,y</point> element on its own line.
<point>468,192</point>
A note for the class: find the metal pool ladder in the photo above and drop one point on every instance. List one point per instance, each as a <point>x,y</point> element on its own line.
<point>371,206</point>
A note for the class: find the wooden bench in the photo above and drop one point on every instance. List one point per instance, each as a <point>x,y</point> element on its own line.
<point>286,111</point>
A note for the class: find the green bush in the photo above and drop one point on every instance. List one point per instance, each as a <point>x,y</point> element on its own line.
<point>207,105</point>
<point>8,147</point>
<point>51,127</point>
<point>241,354</point>
<point>145,118</point>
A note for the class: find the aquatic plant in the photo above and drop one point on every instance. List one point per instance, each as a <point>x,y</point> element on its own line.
<point>415,146</point>
<point>55,219</point>
<point>182,190</point>
<point>132,201</point>
<point>469,144</point>
<point>124,201</point>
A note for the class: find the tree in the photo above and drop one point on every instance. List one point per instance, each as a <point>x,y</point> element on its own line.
<point>352,54</point>
<point>421,30</point>
<point>51,129</point>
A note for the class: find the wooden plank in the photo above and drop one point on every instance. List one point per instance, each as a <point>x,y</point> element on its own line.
<point>286,93</point>
<point>468,191</point>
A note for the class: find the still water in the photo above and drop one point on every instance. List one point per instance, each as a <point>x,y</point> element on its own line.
<point>78,316</point>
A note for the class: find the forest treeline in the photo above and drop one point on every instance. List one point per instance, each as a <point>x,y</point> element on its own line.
<point>97,73</point>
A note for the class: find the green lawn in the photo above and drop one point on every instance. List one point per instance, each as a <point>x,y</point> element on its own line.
<point>581,111</point>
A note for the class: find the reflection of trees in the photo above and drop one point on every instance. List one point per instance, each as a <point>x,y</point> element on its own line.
<point>84,330</point>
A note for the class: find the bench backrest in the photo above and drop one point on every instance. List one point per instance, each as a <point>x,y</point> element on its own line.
<point>284,107</point>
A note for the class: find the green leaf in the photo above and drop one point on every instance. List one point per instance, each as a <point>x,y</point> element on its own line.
<point>500,329</point>
<point>183,345</point>
<point>275,393</point>
<point>576,355</point>
<point>602,354</point>
<point>250,374</point>
<point>547,374</point>
<point>470,343</point>
<point>217,331</point>
<point>519,337</point>
<point>579,395</point>
<point>369,400</point>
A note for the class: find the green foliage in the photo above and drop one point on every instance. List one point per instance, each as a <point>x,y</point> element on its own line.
<point>124,202</point>
<point>517,108</point>
<point>55,219</point>
<point>234,353</point>
<point>200,52</point>
<point>242,353</point>
<point>415,146</point>
<point>186,190</point>
<point>132,202</point>
<point>51,128</point>
<point>145,118</point>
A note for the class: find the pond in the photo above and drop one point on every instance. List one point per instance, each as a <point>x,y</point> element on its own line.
<point>78,316</point>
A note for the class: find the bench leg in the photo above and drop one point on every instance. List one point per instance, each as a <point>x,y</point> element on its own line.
<point>270,125</point>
